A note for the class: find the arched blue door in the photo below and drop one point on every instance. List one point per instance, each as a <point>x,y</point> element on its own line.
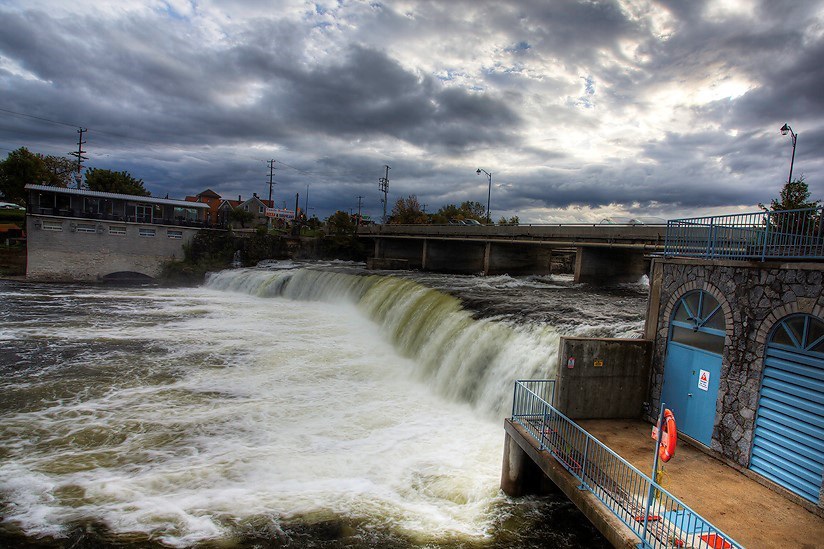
<point>788,442</point>
<point>693,364</point>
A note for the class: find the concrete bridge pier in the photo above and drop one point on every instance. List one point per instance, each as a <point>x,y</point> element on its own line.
<point>517,259</point>
<point>460,257</point>
<point>602,265</point>
<point>406,254</point>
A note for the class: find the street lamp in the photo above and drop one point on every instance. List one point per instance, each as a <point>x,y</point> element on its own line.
<point>488,192</point>
<point>786,129</point>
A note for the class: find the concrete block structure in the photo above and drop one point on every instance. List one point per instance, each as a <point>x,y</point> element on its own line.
<point>602,377</point>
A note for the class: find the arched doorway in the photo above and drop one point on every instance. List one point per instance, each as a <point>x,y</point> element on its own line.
<point>693,364</point>
<point>788,442</point>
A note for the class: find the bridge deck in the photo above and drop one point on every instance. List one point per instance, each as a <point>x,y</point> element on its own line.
<point>651,236</point>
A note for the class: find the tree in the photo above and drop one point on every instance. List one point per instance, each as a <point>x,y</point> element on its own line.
<point>22,167</point>
<point>794,196</point>
<point>114,182</point>
<point>408,211</point>
<point>514,220</point>
<point>473,210</point>
<point>59,171</point>
<point>340,224</point>
<point>239,215</point>
<point>467,210</point>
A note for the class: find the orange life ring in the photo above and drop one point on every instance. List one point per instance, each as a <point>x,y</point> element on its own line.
<point>669,437</point>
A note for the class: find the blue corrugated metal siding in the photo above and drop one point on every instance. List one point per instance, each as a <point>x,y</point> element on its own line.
<point>788,443</point>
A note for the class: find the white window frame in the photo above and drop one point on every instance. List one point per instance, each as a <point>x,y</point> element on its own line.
<point>52,226</point>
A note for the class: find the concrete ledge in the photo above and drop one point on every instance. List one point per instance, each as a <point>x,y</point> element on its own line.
<point>610,526</point>
<point>378,263</point>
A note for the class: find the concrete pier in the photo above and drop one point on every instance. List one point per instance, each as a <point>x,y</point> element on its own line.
<point>522,462</point>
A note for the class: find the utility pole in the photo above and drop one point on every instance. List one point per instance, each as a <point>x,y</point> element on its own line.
<point>384,188</point>
<point>271,164</point>
<point>296,222</point>
<point>360,201</point>
<point>79,155</point>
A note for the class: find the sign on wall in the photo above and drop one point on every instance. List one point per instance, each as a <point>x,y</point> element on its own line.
<point>704,380</point>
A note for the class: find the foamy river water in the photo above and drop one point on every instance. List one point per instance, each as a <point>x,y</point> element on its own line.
<point>287,406</point>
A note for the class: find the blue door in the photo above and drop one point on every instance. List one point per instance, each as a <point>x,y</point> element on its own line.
<point>693,364</point>
<point>788,442</point>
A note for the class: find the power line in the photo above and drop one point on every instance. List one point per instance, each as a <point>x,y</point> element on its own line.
<point>39,118</point>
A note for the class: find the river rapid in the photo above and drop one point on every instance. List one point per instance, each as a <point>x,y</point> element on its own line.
<point>291,405</point>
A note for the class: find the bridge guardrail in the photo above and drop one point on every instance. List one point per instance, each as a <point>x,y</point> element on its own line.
<point>659,519</point>
<point>787,234</point>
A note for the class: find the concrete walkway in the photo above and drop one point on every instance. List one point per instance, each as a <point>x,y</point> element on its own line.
<point>752,514</point>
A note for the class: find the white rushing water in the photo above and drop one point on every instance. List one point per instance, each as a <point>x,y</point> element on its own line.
<point>195,414</point>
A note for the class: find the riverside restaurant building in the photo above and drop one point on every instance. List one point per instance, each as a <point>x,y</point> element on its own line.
<point>80,235</point>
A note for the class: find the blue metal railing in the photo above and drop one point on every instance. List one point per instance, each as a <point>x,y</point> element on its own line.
<point>788,234</point>
<point>658,518</point>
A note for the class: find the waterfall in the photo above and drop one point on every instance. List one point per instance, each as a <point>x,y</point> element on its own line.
<point>463,358</point>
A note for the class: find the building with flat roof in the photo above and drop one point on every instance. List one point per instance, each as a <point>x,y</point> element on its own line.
<point>82,235</point>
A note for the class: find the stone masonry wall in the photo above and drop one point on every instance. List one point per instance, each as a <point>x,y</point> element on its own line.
<point>754,297</point>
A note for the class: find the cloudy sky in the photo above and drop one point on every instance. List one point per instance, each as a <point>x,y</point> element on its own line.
<point>581,110</point>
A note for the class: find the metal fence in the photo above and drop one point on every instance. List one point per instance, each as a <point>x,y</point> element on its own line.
<point>789,234</point>
<point>657,517</point>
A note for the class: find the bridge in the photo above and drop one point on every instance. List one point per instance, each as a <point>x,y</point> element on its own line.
<point>603,252</point>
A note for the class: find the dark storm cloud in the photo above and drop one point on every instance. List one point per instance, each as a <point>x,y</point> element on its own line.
<point>190,100</point>
<point>368,93</point>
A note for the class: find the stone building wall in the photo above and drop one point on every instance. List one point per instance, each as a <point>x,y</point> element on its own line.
<point>754,296</point>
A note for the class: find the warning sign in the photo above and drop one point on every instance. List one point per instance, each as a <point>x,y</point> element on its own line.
<point>598,363</point>
<point>704,380</point>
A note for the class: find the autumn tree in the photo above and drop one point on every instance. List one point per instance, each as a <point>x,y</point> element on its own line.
<point>467,210</point>
<point>114,182</point>
<point>408,211</point>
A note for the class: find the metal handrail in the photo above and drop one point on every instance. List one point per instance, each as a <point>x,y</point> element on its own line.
<point>658,518</point>
<point>786,234</point>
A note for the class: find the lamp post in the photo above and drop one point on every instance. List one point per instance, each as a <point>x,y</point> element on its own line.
<point>786,129</point>
<point>488,192</point>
